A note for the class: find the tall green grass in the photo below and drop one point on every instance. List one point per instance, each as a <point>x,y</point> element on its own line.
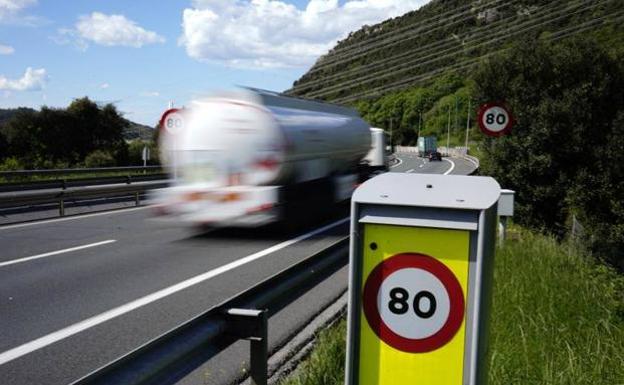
<point>557,319</point>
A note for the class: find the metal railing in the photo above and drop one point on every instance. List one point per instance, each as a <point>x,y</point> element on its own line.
<point>12,199</point>
<point>65,183</point>
<point>171,356</point>
<point>16,174</point>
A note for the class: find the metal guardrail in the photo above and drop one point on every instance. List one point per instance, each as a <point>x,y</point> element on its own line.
<point>76,182</point>
<point>33,197</point>
<point>169,357</point>
<point>65,171</point>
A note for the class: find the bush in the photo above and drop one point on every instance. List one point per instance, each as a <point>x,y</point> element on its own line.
<point>11,164</point>
<point>99,158</point>
<point>564,154</point>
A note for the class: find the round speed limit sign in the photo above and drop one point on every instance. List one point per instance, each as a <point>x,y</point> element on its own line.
<point>413,302</point>
<point>495,119</point>
<point>172,120</point>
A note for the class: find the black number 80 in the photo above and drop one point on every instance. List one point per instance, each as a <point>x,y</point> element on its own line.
<point>398,302</point>
<point>499,119</point>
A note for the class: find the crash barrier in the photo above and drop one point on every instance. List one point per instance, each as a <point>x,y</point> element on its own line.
<point>13,199</point>
<point>64,183</point>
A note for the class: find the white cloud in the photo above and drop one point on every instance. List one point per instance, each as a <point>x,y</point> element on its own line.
<point>9,8</point>
<point>11,12</point>
<point>6,49</point>
<point>273,33</point>
<point>104,86</point>
<point>151,94</point>
<point>33,80</point>
<point>107,30</point>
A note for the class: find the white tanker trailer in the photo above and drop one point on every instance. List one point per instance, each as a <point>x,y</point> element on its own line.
<point>251,157</point>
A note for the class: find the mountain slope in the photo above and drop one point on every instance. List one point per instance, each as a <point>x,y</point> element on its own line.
<point>446,35</point>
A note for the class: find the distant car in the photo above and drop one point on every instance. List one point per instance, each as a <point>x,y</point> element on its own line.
<point>435,156</point>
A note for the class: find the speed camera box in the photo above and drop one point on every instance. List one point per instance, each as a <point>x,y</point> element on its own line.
<point>420,276</point>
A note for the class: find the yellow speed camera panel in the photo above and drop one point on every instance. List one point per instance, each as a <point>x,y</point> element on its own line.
<point>414,293</point>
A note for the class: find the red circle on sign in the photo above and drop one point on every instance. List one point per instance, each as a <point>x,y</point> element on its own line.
<point>481,113</point>
<point>418,261</point>
<point>165,114</point>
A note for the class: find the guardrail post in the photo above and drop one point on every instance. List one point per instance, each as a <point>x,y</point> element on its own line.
<point>62,207</point>
<point>136,198</point>
<point>252,324</point>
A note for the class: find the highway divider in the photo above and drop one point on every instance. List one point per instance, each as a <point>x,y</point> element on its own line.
<point>13,199</point>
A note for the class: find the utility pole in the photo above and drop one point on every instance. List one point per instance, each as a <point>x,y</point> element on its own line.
<point>448,131</point>
<point>456,126</point>
<point>391,136</point>
<point>467,124</point>
<point>419,124</point>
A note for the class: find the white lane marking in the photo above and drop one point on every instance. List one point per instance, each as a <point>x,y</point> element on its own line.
<point>421,166</point>
<point>450,170</point>
<point>410,170</point>
<point>400,161</point>
<point>118,211</point>
<point>38,256</point>
<point>471,160</point>
<point>78,327</point>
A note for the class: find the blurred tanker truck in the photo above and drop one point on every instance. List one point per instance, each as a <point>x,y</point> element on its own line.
<point>251,157</point>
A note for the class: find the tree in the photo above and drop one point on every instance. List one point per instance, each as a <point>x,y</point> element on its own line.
<point>562,157</point>
<point>64,137</point>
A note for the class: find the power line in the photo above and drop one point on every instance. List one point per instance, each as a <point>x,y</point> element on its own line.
<point>475,35</point>
<point>376,76</point>
<point>408,66</point>
<point>369,47</point>
<point>559,35</point>
<point>459,11</point>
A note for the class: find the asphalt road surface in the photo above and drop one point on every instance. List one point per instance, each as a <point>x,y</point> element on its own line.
<point>80,291</point>
<point>411,163</point>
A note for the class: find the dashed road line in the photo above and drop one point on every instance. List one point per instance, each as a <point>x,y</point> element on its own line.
<point>57,252</point>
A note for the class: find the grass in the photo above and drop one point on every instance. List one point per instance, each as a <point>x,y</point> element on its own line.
<point>325,366</point>
<point>557,319</point>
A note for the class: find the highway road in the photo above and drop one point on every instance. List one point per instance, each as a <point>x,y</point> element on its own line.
<point>411,163</point>
<point>78,292</point>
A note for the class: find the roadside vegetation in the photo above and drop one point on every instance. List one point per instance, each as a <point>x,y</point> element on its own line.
<point>557,318</point>
<point>84,134</point>
<point>564,156</point>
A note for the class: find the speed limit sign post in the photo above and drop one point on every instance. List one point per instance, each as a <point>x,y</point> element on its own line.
<point>495,119</point>
<point>172,121</point>
<point>421,258</point>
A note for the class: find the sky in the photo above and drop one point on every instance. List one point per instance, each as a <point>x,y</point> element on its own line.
<point>141,54</point>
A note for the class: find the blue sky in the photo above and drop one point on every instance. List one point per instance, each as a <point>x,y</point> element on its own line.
<point>141,54</point>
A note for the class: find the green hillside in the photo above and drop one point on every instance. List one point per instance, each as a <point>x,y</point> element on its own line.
<point>409,72</point>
